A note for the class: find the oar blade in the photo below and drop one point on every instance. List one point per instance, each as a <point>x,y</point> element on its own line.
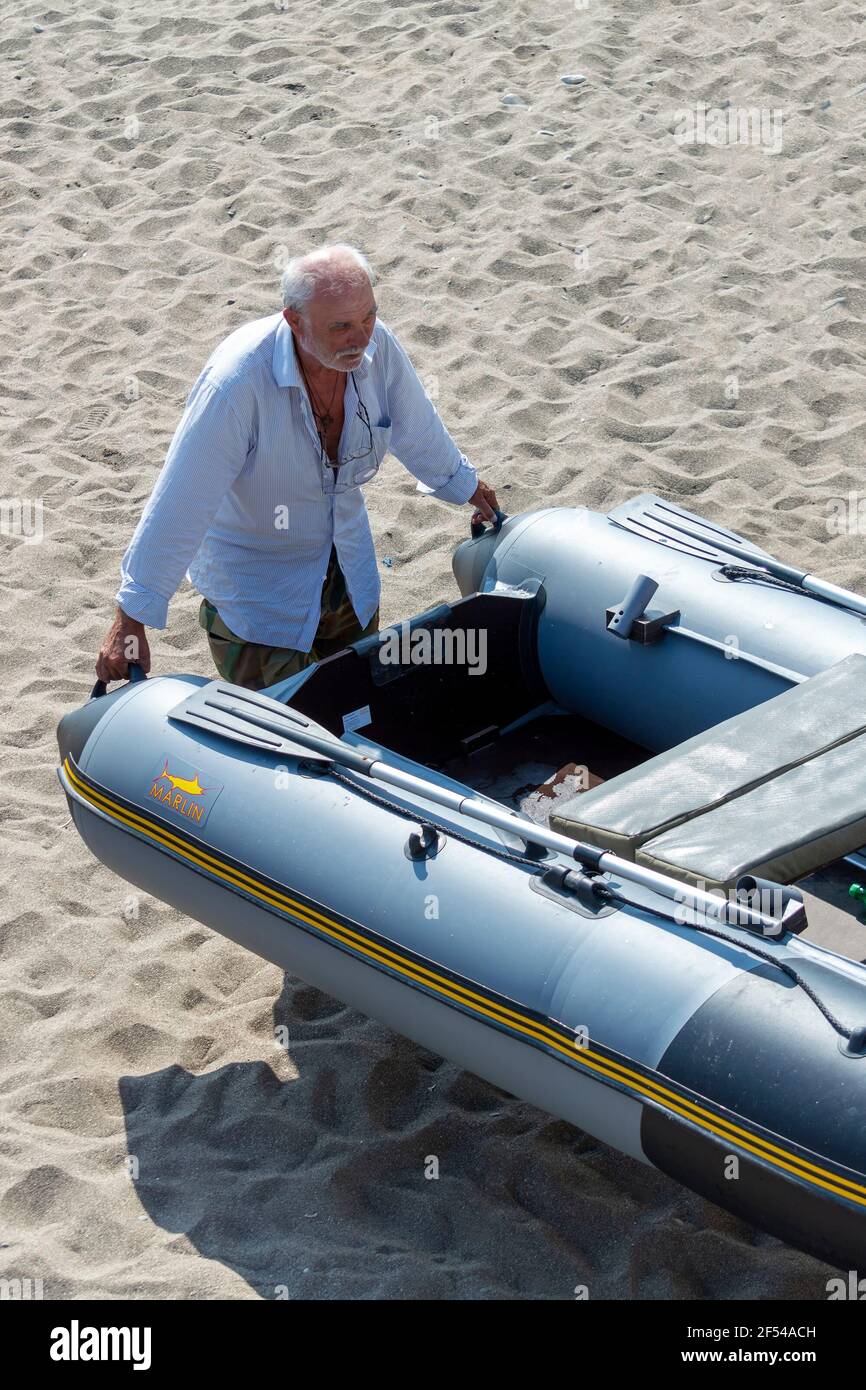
<point>672,526</point>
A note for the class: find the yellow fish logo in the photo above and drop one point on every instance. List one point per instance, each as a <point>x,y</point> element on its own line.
<point>183,795</point>
<point>191,786</point>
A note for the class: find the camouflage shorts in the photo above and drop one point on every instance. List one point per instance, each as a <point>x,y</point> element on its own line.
<point>255,666</point>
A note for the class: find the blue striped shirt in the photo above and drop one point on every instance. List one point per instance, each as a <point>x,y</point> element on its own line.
<point>245,504</point>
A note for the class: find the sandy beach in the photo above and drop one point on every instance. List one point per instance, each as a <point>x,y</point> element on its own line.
<point>604,297</point>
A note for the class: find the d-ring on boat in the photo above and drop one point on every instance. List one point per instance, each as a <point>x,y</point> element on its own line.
<point>584,872</point>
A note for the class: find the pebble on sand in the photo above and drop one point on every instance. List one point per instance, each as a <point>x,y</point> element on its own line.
<point>511,99</point>
<point>573,79</point>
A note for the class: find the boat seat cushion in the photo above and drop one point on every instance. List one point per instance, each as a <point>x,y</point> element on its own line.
<point>781,830</point>
<point>722,764</point>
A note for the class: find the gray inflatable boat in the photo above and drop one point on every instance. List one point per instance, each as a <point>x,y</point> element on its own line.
<point>561,831</point>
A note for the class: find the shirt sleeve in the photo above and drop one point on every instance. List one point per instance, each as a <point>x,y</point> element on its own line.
<point>207,453</point>
<point>418,437</point>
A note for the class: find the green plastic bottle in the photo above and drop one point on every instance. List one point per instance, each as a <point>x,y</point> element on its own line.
<point>857,891</point>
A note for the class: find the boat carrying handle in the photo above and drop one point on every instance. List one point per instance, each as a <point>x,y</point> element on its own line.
<point>478,528</point>
<point>136,673</point>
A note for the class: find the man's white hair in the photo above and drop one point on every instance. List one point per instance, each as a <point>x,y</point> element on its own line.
<point>331,269</point>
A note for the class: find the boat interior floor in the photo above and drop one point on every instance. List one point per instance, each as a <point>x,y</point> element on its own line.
<point>533,769</point>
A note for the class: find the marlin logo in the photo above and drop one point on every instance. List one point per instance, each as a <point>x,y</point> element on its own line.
<point>184,795</point>
<point>191,786</point>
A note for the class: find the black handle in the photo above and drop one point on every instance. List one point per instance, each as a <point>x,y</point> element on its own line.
<point>136,673</point>
<point>477,528</point>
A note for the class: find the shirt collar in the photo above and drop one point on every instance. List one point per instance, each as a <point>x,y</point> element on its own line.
<point>285,361</point>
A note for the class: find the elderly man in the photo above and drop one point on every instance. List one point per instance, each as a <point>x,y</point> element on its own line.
<point>260,495</point>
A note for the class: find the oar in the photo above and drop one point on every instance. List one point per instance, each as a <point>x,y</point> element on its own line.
<point>284,721</point>
<point>664,522</point>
